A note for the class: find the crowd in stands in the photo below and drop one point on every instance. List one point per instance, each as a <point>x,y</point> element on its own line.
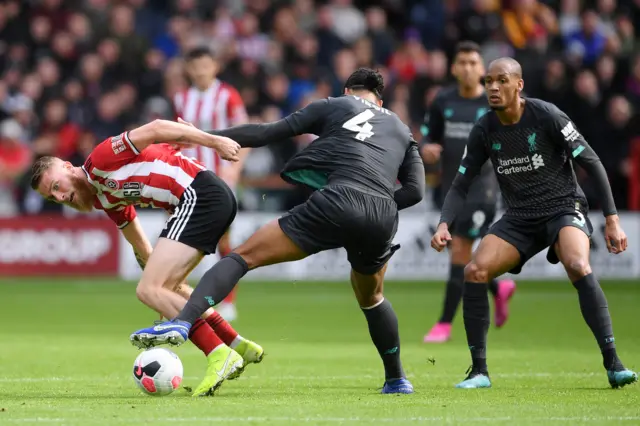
<point>73,73</point>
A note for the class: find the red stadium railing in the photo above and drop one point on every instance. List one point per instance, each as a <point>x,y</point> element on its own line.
<point>634,175</point>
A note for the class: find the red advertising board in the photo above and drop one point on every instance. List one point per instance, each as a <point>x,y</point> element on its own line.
<point>58,246</point>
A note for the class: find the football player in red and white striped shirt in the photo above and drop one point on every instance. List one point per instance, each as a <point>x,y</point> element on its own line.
<point>212,104</point>
<point>133,169</point>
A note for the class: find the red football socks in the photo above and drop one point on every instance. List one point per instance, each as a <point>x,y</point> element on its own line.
<point>222,328</point>
<point>203,336</point>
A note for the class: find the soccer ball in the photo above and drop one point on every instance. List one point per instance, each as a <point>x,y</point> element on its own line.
<point>157,371</point>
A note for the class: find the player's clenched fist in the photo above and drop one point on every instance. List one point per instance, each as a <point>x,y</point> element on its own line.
<point>227,148</point>
<point>441,237</point>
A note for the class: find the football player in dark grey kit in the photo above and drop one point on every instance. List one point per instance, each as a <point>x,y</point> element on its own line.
<point>531,144</point>
<point>451,117</point>
<point>361,151</point>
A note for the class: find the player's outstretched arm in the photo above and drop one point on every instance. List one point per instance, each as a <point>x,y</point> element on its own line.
<point>257,135</point>
<point>472,162</point>
<point>412,179</point>
<point>170,131</point>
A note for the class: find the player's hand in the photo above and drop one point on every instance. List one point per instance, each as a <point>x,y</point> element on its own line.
<point>227,148</point>
<point>441,237</point>
<point>180,120</point>
<point>430,152</point>
<point>614,236</point>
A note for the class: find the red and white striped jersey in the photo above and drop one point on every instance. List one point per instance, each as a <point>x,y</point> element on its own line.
<point>217,108</point>
<point>125,177</point>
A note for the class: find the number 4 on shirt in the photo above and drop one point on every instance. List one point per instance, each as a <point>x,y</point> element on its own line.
<point>360,125</point>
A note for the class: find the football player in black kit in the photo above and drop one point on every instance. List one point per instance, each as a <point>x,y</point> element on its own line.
<point>531,144</point>
<point>451,117</point>
<point>362,150</point>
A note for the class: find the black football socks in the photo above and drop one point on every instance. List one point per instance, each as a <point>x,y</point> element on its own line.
<point>475,309</point>
<point>383,328</point>
<point>214,286</point>
<point>453,293</point>
<point>595,311</point>
<point>493,287</point>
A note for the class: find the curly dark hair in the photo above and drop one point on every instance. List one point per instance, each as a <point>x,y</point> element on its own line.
<point>366,79</point>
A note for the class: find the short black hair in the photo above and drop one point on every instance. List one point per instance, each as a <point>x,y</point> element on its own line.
<point>199,52</point>
<point>467,47</point>
<point>366,79</point>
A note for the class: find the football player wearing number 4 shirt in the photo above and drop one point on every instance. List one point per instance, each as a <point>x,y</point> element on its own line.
<point>531,144</point>
<point>451,117</point>
<point>361,151</point>
<point>132,169</point>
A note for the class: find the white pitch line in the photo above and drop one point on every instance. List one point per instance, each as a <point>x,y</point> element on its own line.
<point>301,377</point>
<point>334,419</point>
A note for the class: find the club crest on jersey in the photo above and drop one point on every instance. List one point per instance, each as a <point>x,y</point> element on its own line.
<point>117,144</point>
<point>112,184</point>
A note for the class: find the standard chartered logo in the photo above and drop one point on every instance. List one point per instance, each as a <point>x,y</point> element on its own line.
<point>510,166</point>
<point>537,161</point>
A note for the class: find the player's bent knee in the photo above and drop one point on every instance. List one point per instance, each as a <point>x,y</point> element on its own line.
<point>369,300</point>
<point>577,267</point>
<point>476,273</point>
<point>143,293</point>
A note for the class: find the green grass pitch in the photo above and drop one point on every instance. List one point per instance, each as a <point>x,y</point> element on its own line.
<point>65,359</point>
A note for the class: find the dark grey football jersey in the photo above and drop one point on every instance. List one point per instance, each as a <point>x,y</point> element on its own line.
<point>531,159</point>
<point>360,145</point>
<point>449,122</point>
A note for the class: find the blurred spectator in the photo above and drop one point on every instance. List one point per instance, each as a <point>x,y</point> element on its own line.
<point>107,119</point>
<point>526,20</point>
<point>379,34</point>
<point>633,82</point>
<point>590,40</point>
<point>56,125</point>
<point>15,157</point>
<point>76,72</point>
<point>618,134</point>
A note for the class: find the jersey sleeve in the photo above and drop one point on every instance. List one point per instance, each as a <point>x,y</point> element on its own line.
<point>433,130</point>
<point>236,111</point>
<point>564,132</point>
<point>122,215</point>
<point>411,176</point>
<point>308,119</point>
<point>474,158</point>
<point>112,153</point>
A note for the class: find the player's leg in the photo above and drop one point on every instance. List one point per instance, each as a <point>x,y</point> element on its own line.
<point>303,231</point>
<point>250,351</point>
<point>494,257</point>
<point>383,326</point>
<point>227,307</point>
<point>572,249</point>
<point>170,263</point>
<point>460,249</point>
<point>269,245</point>
<point>204,213</point>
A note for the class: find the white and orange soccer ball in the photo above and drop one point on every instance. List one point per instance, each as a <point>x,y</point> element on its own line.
<point>157,371</point>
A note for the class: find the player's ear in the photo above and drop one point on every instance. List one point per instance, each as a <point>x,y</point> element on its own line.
<point>67,165</point>
<point>520,85</point>
<point>346,91</point>
<point>379,102</point>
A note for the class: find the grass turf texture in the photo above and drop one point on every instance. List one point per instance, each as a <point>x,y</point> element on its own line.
<point>65,359</point>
